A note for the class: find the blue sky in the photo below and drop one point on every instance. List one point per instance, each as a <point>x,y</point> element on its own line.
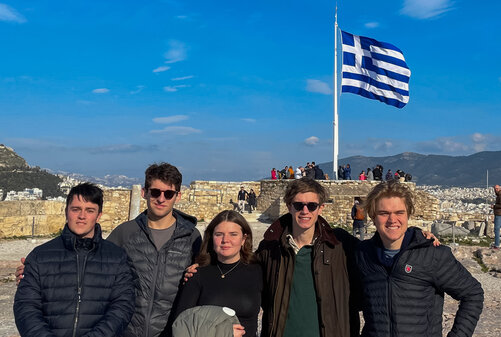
<point>226,90</point>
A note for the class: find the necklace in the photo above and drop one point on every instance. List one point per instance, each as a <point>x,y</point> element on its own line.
<point>229,271</point>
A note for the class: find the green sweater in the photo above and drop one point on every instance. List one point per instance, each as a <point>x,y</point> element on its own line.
<point>302,314</point>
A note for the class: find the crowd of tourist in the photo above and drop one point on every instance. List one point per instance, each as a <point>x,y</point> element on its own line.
<point>376,173</point>
<point>310,170</point>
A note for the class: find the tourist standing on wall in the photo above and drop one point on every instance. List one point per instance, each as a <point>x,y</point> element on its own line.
<point>242,196</point>
<point>347,172</point>
<point>404,277</point>
<point>389,175</point>
<point>76,284</point>
<point>497,216</point>
<point>273,174</point>
<point>358,216</point>
<point>252,200</point>
<point>370,174</point>
<point>298,174</point>
<point>340,172</point>
<point>362,176</point>
<point>319,173</point>
<point>309,171</point>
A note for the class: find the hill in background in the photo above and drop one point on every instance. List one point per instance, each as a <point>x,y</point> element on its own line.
<point>460,171</point>
<point>16,175</point>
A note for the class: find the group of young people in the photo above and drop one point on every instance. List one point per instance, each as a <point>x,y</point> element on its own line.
<point>309,279</point>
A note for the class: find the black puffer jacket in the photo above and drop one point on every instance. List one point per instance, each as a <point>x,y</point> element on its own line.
<point>407,299</point>
<point>47,301</point>
<point>159,273</point>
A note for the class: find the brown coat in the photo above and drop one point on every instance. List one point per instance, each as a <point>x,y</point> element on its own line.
<point>333,268</point>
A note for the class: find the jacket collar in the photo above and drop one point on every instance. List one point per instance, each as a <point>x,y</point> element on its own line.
<point>184,222</point>
<point>69,237</point>
<point>283,226</point>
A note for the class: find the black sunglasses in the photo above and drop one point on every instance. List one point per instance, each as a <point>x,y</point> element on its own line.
<point>298,206</point>
<point>168,194</point>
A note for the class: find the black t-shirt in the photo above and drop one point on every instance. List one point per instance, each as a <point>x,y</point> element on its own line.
<point>239,290</point>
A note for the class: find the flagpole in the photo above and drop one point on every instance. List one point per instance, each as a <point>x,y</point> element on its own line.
<point>335,122</point>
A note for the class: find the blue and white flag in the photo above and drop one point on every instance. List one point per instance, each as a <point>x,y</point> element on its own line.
<point>376,70</point>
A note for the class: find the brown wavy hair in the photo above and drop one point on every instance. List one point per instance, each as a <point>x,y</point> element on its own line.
<point>389,189</point>
<point>305,185</point>
<point>208,255</point>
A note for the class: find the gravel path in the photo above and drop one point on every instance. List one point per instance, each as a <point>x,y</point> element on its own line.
<point>12,251</point>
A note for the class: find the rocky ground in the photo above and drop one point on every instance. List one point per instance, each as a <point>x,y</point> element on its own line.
<point>488,326</point>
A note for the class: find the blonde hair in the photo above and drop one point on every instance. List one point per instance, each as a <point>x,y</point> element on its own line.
<point>389,189</point>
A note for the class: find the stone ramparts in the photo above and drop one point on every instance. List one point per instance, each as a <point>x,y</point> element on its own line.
<point>204,199</point>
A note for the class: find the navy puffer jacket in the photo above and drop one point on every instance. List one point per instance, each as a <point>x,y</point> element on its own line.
<point>48,303</point>
<point>407,298</point>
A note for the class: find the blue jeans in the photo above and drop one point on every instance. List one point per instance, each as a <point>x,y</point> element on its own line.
<point>497,227</point>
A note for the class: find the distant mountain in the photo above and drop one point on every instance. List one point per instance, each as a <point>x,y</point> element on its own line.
<point>460,171</point>
<point>10,159</point>
<point>16,175</point>
<point>108,180</point>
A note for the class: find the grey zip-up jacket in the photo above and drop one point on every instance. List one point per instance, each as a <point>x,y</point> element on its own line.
<point>158,273</point>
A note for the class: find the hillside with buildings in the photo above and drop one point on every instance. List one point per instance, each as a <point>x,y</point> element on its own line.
<point>25,181</point>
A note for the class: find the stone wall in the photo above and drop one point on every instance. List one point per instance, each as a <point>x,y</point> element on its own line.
<point>17,217</point>
<point>205,199</point>
<point>341,197</point>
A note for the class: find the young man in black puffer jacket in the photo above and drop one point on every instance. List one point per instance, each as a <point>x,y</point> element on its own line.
<point>76,284</point>
<point>404,277</point>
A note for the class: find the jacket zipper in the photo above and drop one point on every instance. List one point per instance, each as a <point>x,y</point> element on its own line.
<point>79,293</point>
<point>152,298</point>
<point>79,288</point>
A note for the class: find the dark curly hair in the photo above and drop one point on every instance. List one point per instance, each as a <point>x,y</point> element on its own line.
<point>165,172</point>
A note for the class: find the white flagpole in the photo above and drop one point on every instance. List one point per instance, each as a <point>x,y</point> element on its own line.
<point>335,122</point>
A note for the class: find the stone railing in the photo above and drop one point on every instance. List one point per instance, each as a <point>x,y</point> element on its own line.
<point>204,199</point>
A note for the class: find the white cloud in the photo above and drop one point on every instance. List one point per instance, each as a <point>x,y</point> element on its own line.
<point>311,141</point>
<point>477,137</point>
<point>9,14</point>
<point>170,119</point>
<point>138,90</point>
<point>372,24</point>
<point>382,145</point>
<point>101,91</point>
<point>425,9</point>
<point>182,78</point>
<point>178,130</point>
<point>181,17</point>
<point>176,52</point>
<point>161,69</point>
<point>175,88</point>
<point>318,87</point>
<point>249,120</point>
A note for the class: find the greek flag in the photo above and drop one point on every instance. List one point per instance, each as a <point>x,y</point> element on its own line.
<point>376,70</point>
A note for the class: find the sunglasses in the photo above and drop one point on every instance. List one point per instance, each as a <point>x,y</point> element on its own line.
<point>298,206</point>
<point>168,194</point>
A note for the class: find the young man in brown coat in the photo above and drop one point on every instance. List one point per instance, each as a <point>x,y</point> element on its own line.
<point>310,280</point>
